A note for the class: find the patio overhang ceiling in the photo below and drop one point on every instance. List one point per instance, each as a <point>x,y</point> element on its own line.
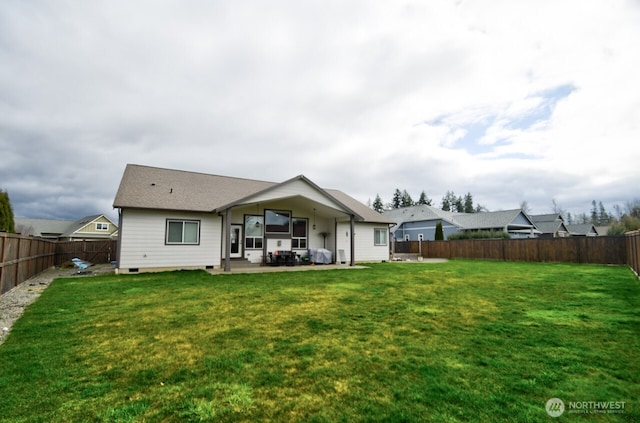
<point>298,202</point>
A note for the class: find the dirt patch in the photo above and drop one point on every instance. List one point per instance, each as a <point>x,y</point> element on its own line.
<point>14,302</point>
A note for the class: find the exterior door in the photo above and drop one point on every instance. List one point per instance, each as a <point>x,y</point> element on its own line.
<point>236,241</point>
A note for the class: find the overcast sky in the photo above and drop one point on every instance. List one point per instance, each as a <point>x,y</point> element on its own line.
<point>511,101</point>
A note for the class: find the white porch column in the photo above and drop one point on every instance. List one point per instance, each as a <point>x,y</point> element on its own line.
<point>227,241</point>
<point>353,241</point>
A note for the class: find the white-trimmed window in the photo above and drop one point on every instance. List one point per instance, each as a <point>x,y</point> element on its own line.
<point>299,236</point>
<point>253,231</point>
<point>101,226</point>
<point>380,236</point>
<point>183,232</point>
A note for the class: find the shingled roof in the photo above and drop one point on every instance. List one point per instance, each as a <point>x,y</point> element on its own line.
<point>487,220</point>
<point>482,220</point>
<point>419,213</point>
<point>146,187</point>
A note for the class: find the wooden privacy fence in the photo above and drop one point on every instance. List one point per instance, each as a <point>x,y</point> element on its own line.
<point>92,251</point>
<point>633,251</point>
<point>596,250</point>
<point>22,257</point>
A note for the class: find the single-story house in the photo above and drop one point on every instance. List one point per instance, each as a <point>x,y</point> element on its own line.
<point>95,227</point>
<point>418,223</point>
<point>586,229</point>
<point>174,219</point>
<point>551,225</point>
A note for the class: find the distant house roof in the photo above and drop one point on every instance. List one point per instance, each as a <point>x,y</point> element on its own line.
<point>61,229</point>
<point>551,227</point>
<point>465,221</point>
<point>552,217</point>
<point>418,214</point>
<point>43,228</point>
<point>490,220</point>
<point>550,224</point>
<point>146,187</point>
<point>583,230</point>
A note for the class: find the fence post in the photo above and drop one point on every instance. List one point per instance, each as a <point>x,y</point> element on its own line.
<point>2,258</point>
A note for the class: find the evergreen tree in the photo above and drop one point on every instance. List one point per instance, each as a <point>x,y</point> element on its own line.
<point>468,203</point>
<point>406,200</point>
<point>7,223</point>
<point>424,200</point>
<point>446,201</point>
<point>603,217</point>
<point>377,204</point>
<point>633,208</point>
<point>397,199</point>
<point>459,205</point>
<point>452,203</point>
<point>439,236</point>
<point>594,213</point>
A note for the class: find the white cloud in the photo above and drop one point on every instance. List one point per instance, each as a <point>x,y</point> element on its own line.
<point>337,91</point>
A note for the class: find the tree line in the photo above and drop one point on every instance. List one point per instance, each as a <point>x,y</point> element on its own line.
<point>450,202</point>
<point>623,219</point>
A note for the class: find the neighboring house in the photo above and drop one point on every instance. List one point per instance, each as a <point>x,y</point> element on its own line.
<point>173,219</point>
<point>88,228</point>
<point>583,230</point>
<point>419,223</point>
<point>551,225</point>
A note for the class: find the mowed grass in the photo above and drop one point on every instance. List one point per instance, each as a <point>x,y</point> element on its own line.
<point>458,341</point>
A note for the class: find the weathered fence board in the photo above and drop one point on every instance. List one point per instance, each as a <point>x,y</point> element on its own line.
<point>597,250</point>
<point>22,257</point>
<point>633,251</point>
<point>92,251</point>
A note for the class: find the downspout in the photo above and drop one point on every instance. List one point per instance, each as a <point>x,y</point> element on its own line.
<point>353,240</point>
<point>227,241</point>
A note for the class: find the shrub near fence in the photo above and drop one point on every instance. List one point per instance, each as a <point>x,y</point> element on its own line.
<point>596,250</point>
<point>22,258</point>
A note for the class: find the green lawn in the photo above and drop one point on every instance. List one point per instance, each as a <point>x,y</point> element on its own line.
<point>458,341</point>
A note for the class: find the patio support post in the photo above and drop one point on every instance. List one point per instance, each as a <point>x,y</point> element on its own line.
<point>353,241</point>
<point>227,241</point>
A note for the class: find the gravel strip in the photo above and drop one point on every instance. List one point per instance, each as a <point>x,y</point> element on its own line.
<point>14,302</point>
